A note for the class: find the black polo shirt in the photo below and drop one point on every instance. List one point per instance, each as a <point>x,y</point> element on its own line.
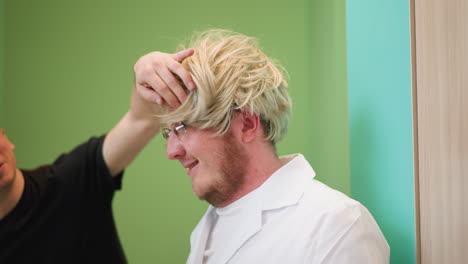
<point>65,214</point>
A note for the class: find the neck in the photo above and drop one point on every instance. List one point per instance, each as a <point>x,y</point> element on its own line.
<point>11,194</point>
<point>262,164</point>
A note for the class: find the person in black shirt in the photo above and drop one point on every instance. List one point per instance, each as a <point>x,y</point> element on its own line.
<point>61,213</point>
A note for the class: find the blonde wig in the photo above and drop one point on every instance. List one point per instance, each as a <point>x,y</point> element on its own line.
<point>232,74</point>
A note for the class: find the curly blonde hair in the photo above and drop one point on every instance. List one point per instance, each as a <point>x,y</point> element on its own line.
<point>232,74</point>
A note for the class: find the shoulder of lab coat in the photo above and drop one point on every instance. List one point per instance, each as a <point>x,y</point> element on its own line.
<point>340,229</point>
<point>349,234</point>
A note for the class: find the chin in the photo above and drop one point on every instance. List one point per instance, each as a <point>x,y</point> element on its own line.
<point>200,192</point>
<point>6,179</point>
<point>207,193</point>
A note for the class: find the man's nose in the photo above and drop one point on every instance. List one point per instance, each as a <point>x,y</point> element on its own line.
<point>174,148</point>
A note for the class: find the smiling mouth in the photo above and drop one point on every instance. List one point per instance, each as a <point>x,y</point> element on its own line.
<point>193,165</point>
<point>191,168</point>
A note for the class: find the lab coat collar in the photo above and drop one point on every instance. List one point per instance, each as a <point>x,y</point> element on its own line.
<point>284,188</point>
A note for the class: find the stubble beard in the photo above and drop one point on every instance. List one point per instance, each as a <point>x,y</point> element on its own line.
<point>233,170</point>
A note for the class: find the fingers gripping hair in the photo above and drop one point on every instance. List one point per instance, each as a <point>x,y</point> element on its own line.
<point>232,74</point>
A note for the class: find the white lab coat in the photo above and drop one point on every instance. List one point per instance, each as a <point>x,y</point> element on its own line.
<point>294,218</point>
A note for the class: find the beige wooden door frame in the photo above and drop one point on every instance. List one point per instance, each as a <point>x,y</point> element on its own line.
<point>440,97</point>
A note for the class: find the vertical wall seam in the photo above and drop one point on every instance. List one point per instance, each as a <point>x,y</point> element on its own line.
<point>415,130</point>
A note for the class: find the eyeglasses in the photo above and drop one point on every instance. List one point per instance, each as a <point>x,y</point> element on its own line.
<point>179,130</point>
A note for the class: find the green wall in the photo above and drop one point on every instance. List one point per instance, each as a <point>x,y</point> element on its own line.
<point>325,94</point>
<point>380,117</point>
<point>2,62</point>
<point>69,76</point>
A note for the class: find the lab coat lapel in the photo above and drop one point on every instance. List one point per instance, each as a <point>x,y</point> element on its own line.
<point>206,224</point>
<point>250,225</point>
<point>283,189</point>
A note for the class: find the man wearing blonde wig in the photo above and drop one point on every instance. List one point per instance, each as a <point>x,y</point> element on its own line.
<point>264,208</point>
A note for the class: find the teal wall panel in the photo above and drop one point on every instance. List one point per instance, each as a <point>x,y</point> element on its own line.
<point>380,118</point>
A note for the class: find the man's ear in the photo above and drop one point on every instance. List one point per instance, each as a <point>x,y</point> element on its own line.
<point>250,126</point>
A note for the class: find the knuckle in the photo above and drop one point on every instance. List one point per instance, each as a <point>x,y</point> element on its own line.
<point>172,64</point>
<point>157,63</point>
<point>173,83</point>
<point>162,88</point>
<point>146,71</point>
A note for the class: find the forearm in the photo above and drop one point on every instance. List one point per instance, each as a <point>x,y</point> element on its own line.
<point>126,140</point>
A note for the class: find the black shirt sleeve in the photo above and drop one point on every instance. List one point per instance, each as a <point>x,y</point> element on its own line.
<point>83,171</point>
<point>65,212</point>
